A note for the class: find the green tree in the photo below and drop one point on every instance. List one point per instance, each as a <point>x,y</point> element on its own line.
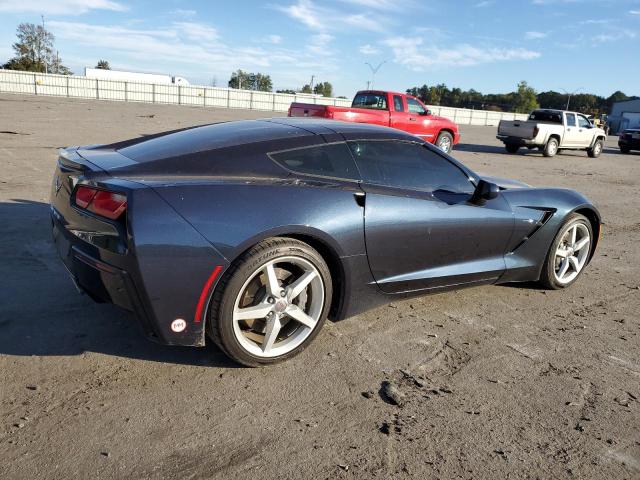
<point>306,89</point>
<point>250,81</point>
<point>323,88</point>
<point>35,52</point>
<point>525,99</point>
<point>103,65</point>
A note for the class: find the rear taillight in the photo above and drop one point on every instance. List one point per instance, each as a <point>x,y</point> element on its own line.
<point>101,202</point>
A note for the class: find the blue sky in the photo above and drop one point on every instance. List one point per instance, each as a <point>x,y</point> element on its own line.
<point>488,45</point>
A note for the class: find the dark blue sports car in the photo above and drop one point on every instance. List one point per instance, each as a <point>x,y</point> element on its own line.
<point>254,232</point>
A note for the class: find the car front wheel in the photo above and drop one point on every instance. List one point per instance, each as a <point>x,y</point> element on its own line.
<point>569,253</point>
<point>271,303</point>
<point>445,142</point>
<point>596,150</point>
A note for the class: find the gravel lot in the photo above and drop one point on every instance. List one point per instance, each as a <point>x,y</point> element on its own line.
<point>493,382</point>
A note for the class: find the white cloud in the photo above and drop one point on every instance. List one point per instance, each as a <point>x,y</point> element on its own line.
<point>368,50</point>
<point>634,12</point>
<point>319,44</point>
<point>615,35</point>
<point>197,31</point>
<point>376,4</point>
<point>274,39</point>
<point>323,19</point>
<point>485,3</point>
<point>411,53</point>
<point>535,35</point>
<point>183,13</point>
<point>59,7</point>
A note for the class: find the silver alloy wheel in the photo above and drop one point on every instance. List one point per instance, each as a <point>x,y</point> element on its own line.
<point>553,148</point>
<point>278,306</point>
<point>572,253</point>
<point>597,149</point>
<point>445,144</point>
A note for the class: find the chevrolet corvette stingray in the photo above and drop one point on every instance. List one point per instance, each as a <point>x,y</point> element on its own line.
<point>252,233</point>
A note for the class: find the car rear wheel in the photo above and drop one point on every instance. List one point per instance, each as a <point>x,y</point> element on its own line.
<point>551,148</point>
<point>569,253</point>
<point>511,148</point>
<point>596,150</point>
<point>445,142</point>
<point>271,303</point>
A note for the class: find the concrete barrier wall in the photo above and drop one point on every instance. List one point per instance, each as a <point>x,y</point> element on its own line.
<point>27,83</point>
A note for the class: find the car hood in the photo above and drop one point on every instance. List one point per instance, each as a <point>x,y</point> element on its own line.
<point>505,183</point>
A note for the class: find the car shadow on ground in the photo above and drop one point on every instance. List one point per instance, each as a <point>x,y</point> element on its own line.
<point>42,314</point>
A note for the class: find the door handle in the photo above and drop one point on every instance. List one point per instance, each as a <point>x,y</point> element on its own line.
<point>360,198</point>
<point>412,119</point>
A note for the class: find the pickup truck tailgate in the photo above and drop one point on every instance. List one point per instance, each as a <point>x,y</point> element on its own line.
<point>307,110</point>
<point>517,128</point>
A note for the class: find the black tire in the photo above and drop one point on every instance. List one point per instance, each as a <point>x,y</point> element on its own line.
<point>531,147</point>
<point>625,150</point>
<point>596,150</point>
<point>220,324</point>
<point>511,147</point>
<point>547,276</point>
<point>551,148</point>
<point>445,142</point>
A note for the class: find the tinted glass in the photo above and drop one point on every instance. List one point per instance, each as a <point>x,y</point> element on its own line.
<point>583,122</point>
<point>408,165</point>
<point>325,160</point>
<point>571,120</point>
<point>398,106</point>
<point>414,106</point>
<point>376,101</point>
<point>545,116</point>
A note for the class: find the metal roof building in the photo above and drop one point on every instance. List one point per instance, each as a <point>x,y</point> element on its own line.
<point>624,115</point>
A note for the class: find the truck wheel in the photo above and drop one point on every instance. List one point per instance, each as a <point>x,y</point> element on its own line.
<point>596,150</point>
<point>551,148</point>
<point>625,149</point>
<point>445,142</point>
<point>511,147</point>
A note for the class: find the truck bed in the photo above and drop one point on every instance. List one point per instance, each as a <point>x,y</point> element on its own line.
<point>349,114</point>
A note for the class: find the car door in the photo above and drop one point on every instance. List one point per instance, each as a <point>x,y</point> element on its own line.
<point>399,117</point>
<point>421,231</point>
<point>585,131</point>
<point>420,124</point>
<point>571,135</point>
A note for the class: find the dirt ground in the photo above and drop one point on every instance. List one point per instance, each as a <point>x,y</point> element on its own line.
<point>493,382</point>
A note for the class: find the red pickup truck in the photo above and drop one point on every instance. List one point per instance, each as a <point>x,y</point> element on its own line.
<point>390,109</point>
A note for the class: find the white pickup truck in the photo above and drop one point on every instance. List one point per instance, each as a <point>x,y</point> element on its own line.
<point>551,131</point>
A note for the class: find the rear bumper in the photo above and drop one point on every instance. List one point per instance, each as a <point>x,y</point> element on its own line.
<point>101,281</point>
<point>523,142</point>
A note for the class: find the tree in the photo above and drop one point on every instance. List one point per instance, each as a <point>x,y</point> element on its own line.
<point>103,65</point>
<point>250,81</point>
<point>35,52</point>
<point>323,88</point>
<point>287,90</point>
<point>306,89</point>
<point>525,99</point>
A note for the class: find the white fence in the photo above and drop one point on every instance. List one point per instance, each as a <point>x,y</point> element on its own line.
<point>28,83</point>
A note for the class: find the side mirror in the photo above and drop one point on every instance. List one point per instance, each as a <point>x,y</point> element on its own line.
<point>426,112</point>
<point>485,191</point>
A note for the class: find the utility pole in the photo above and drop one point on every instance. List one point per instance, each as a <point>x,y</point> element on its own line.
<point>374,70</point>
<point>43,30</point>
<point>570,94</point>
<point>313,77</point>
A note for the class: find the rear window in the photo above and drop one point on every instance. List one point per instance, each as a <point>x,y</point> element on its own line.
<point>332,160</point>
<point>546,116</point>
<point>375,101</point>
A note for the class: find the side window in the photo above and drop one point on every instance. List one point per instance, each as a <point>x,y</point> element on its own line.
<point>571,120</point>
<point>398,105</point>
<point>408,165</point>
<point>414,106</point>
<point>325,160</point>
<point>583,122</point>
